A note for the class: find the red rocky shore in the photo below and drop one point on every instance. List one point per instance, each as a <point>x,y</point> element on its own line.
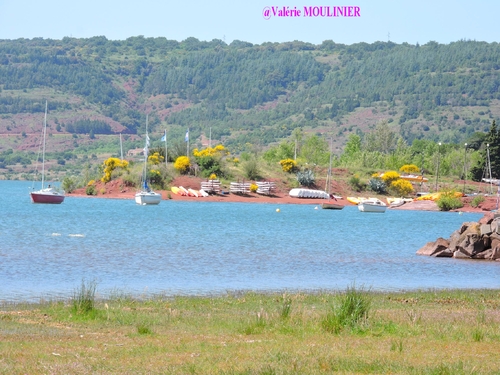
<point>473,240</point>
<point>116,189</point>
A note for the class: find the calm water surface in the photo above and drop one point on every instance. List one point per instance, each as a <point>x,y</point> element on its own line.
<point>210,248</point>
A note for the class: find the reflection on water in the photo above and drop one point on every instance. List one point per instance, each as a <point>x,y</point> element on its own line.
<point>209,248</point>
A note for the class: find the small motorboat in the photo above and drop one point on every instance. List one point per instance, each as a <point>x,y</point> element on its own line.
<point>372,205</point>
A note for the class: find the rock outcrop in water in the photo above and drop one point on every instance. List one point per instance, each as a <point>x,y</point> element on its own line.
<point>474,240</point>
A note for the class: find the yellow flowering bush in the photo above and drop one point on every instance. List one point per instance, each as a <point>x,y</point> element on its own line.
<point>210,151</point>
<point>213,176</point>
<point>91,182</point>
<point>390,176</point>
<point>401,188</point>
<point>253,188</point>
<point>182,164</point>
<point>154,176</point>
<point>110,165</point>
<point>155,159</point>
<point>236,161</point>
<point>409,168</point>
<point>210,160</point>
<point>288,165</point>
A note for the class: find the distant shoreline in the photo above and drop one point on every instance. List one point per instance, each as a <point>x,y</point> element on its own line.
<point>272,199</point>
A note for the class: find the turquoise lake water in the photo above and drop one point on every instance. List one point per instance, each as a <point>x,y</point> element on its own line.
<point>205,248</point>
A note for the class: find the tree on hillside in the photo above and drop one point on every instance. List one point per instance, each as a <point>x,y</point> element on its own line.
<point>352,150</point>
<point>382,139</point>
<point>491,146</point>
<point>315,151</point>
<point>297,136</point>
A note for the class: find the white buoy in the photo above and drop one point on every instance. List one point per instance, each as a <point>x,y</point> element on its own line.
<point>277,210</point>
<point>316,207</point>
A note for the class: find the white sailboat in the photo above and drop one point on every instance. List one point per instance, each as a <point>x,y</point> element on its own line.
<point>47,194</point>
<point>146,196</point>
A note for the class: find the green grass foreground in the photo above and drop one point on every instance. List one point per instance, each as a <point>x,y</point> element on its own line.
<point>349,332</point>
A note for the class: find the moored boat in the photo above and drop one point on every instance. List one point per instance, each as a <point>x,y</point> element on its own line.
<point>49,194</point>
<point>330,204</point>
<point>146,196</point>
<point>372,205</point>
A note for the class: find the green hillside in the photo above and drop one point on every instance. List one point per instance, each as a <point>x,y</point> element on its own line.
<point>252,93</point>
<point>241,95</point>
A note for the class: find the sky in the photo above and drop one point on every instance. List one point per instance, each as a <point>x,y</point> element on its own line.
<point>257,21</point>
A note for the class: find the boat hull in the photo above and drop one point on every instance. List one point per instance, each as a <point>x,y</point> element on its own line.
<point>144,198</point>
<point>47,197</point>
<point>308,193</point>
<point>331,206</point>
<point>372,206</point>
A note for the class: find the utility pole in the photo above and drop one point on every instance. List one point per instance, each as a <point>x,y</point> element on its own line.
<point>437,169</point>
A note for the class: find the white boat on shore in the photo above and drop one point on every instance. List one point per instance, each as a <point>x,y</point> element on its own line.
<point>372,205</point>
<point>308,193</point>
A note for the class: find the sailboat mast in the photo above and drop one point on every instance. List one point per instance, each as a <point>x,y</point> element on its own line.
<point>329,175</point>
<point>146,150</point>
<point>43,147</point>
<point>489,168</point>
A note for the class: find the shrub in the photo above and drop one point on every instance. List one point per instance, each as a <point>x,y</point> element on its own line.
<point>477,200</point>
<point>409,168</point>
<point>251,169</point>
<point>154,176</point>
<point>210,151</point>
<point>286,307</point>
<point>288,165</point>
<point>401,188</point>
<point>68,184</point>
<point>130,180</point>
<point>182,164</point>
<point>253,188</point>
<point>351,309</point>
<point>110,165</point>
<point>143,329</point>
<point>355,183</point>
<point>377,185</point>
<point>447,201</point>
<point>84,298</point>
<point>210,165</point>
<point>211,160</point>
<point>306,178</point>
<point>390,176</point>
<point>90,190</point>
<point>156,158</point>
